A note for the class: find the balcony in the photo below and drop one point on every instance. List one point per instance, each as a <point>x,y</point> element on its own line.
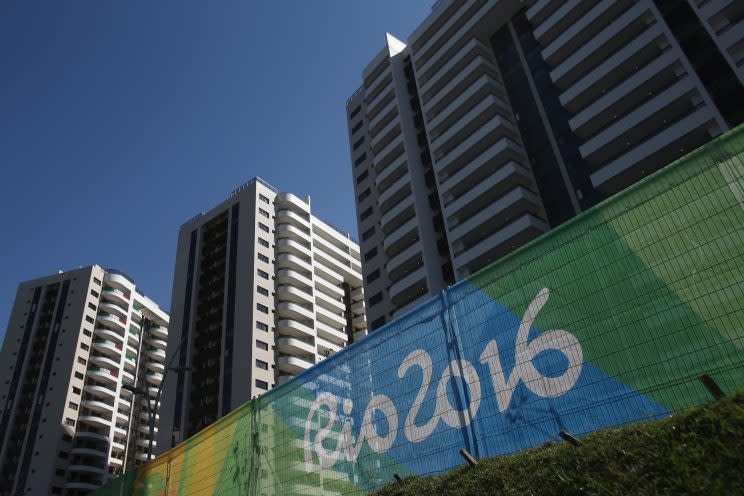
<point>159,331</point>
<point>484,86</point>
<point>292,247</point>
<point>482,191</point>
<point>391,174</point>
<point>329,317</point>
<point>107,408</point>
<point>289,276</point>
<point>669,144</point>
<point>325,287</point>
<point>294,346</point>
<point>290,327</point>
<point>292,217</point>
<point>112,320</point>
<point>292,365</point>
<point>100,391</point>
<point>398,215</point>
<point>81,433</point>
<point>468,259</point>
<point>326,347</point>
<point>287,230</point>
<point>616,35</point>
<point>289,261</point>
<point>100,373</point>
<point>404,262</point>
<point>108,334</point>
<point>410,284</point>
<point>488,162</point>
<point>116,295</point>
<point>98,421</point>
<point>90,452</point>
<point>157,343</point>
<point>288,200</point>
<point>294,311</point>
<point>395,193</point>
<point>156,354</point>
<point>118,281</point>
<point>401,238</point>
<point>510,206</point>
<point>104,361</point>
<point>108,348</point>
<point>294,294</point>
<point>329,303</point>
<point>82,486</point>
<point>154,377</point>
<point>331,333</point>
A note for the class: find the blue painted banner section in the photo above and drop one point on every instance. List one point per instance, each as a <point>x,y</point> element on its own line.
<point>410,406</point>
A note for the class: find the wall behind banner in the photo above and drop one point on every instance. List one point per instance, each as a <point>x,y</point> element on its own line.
<point>606,320</point>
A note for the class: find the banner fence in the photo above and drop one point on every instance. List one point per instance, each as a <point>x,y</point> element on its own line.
<point>605,320</point>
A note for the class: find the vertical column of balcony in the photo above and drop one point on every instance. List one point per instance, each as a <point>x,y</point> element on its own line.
<point>337,267</point>
<point>637,103</point>
<point>482,172</point>
<point>724,20</point>
<point>26,396</point>
<point>206,354</point>
<point>294,283</point>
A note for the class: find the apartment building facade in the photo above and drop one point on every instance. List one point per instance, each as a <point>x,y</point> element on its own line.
<point>262,291</point>
<point>501,119</point>
<point>74,339</point>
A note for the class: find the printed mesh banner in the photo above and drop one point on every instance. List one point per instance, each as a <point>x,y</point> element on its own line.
<point>607,319</point>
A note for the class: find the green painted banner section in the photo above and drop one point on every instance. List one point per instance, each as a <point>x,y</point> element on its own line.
<point>650,283</point>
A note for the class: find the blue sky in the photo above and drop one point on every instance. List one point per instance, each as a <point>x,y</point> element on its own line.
<point>121,120</point>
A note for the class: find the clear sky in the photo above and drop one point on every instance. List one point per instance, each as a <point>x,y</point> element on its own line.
<point>121,120</point>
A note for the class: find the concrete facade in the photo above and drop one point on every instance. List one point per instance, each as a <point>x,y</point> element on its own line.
<point>262,291</point>
<point>501,119</point>
<point>73,340</point>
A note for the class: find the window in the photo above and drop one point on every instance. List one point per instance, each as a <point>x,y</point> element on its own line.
<point>361,177</point>
<point>263,198</point>
<point>89,319</point>
<point>262,273</point>
<point>357,127</point>
<point>262,291</point>
<point>374,300</point>
<point>263,227</point>
<point>263,258</point>
<point>84,346</point>
<point>69,421</point>
<point>91,306</point>
<point>95,293</point>
<point>75,390</point>
<point>262,365</point>
<point>365,215</point>
<point>355,111</point>
<point>81,360</point>
<point>261,345</point>
<point>263,212</point>
<point>72,405</point>
<point>368,233</point>
<point>263,242</point>
<point>374,275</point>
<point>262,384</point>
<point>262,327</point>
<point>97,281</point>
<point>364,194</point>
<point>262,308</point>
<point>370,254</point>
<point>361,159</point>
<point>86,332</point>
<point>78,375</point>
<point>359,143</point>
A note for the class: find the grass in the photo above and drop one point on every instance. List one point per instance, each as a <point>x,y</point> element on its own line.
<point>696,451</point>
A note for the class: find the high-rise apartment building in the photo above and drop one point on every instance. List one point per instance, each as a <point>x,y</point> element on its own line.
<point>73,340</point>
<point>501,119</point>
<point>262,291</point>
